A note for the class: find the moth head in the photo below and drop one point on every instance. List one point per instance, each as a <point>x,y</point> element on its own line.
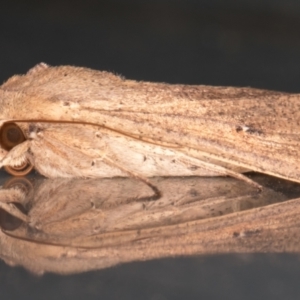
<point>11,135</point>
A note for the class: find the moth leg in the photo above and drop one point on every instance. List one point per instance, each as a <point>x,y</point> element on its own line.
<point>111,162</point>
<point>13,210</point>
<point>16,156</point>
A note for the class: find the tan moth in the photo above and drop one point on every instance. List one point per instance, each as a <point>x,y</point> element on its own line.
<point>76,122</point>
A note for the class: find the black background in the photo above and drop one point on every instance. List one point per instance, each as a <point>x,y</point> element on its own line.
<point>242,43</point>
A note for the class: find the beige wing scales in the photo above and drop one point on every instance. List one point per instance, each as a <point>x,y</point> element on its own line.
<point>235,128</point>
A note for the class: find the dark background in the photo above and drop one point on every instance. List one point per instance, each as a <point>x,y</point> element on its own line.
<point>242,43</point>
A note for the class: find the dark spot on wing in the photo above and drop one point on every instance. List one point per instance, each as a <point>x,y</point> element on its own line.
<point>193,193</point>
<point>248,129</point>
<point>238,128</point>
<point>253,130</point>
<point>193,168</point>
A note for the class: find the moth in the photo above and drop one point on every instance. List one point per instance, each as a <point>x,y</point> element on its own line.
<point>76,122</point>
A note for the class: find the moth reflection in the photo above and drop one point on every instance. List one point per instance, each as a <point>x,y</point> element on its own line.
<point>63,210</point>
<point>74,225</point>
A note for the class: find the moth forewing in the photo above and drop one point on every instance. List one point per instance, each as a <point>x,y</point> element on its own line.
<point>84,150</point>
<point>226,130</point>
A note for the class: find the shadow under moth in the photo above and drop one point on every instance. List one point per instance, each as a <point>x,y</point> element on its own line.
<point>76,122</point>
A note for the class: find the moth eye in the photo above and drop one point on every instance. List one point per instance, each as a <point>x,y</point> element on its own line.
<point>20,170</point>
<point>11,135</point>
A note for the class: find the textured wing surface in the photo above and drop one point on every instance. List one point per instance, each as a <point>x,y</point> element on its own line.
<point>255,129</point>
